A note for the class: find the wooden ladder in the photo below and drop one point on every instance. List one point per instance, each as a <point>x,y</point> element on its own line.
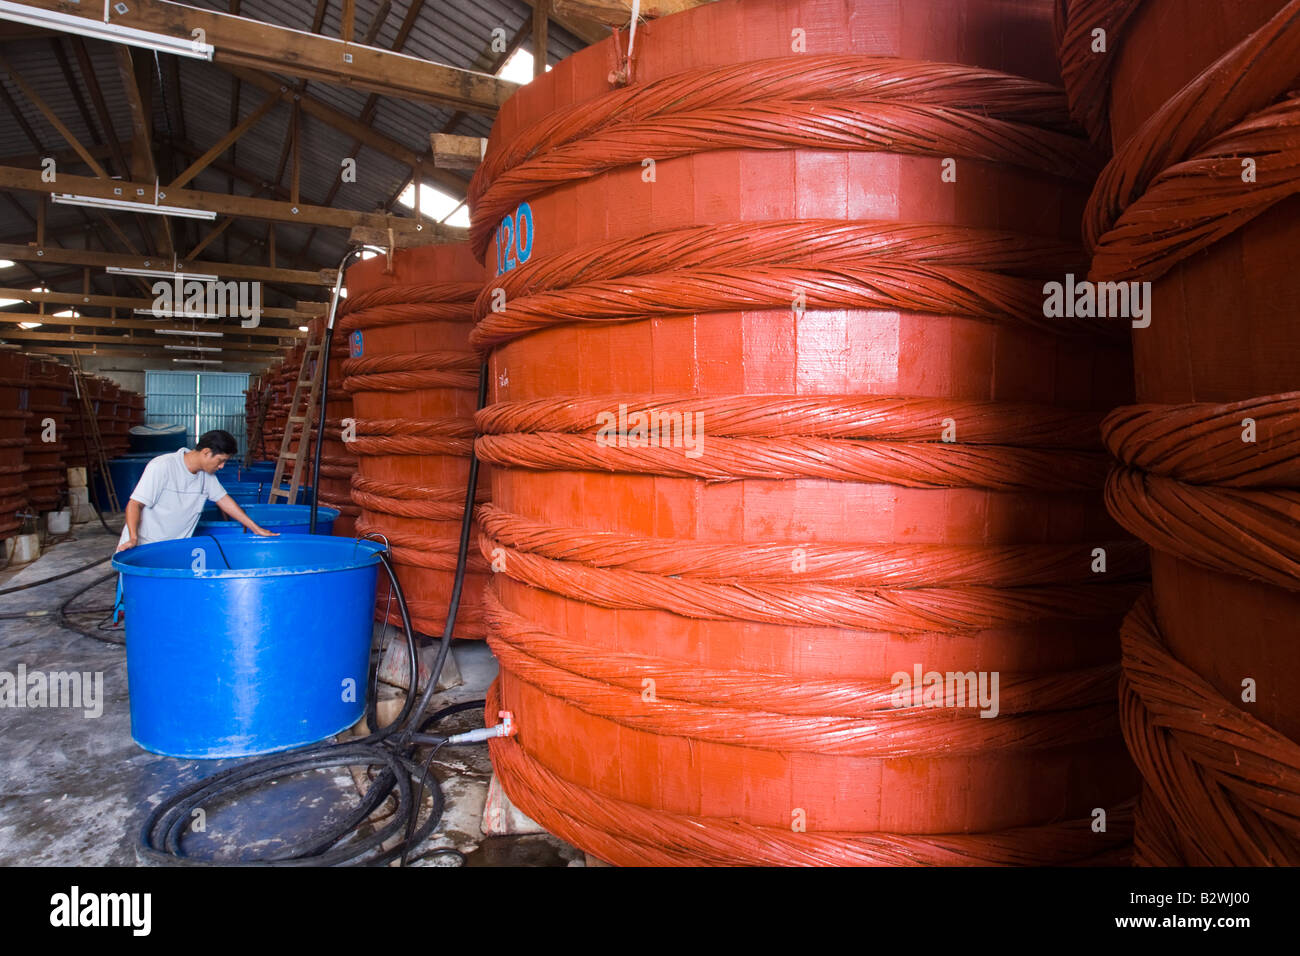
<point>309,378</point>
<point>91,437</point>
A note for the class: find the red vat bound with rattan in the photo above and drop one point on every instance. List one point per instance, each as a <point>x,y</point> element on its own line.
<point>702,653</point>
<point>1199,199</point>
<point>413,381</point>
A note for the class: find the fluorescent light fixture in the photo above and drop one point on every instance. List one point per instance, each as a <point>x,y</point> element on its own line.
<point>191,348</point>
<point>303,328</point>
<point>159,274</point>
<point>67,314</point>
<point>181,314</point>
<point>211,335</point>
<point>101,30</point>
<point>6,263</point>
<point>30,325</point>
<point>99,202</point>
<point>198,361</point>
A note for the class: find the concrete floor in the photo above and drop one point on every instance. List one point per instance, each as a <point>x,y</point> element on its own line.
<point>75,789</point>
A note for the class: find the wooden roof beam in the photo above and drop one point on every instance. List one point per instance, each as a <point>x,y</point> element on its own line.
<point>150,352</point>
<point>137,82</point>
<point>243,207</point>
<point>344,123</point>
<point>26,335</point>
<point>88,300</point>
<point>586,30</point>
<point>243,42</point>
<point>223,144</point>
<point>227,270</point>
<point>618,13</point>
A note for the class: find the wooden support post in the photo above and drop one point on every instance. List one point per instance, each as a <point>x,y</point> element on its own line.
<point>541,17</point>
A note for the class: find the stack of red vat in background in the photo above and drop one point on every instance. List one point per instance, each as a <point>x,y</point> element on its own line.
<point>49,398</point>
<point>13,441</point>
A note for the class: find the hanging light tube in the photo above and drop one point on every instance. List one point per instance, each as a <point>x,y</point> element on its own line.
<point>102,30</point>
<point>180,314</point>
<point>211,335</point>
<point>159,274</point>
<point>131,205</point>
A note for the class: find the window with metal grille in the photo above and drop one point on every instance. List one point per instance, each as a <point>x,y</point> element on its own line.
<point>200,401</point>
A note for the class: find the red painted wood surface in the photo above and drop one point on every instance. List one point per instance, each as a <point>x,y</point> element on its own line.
<point>415,498</point>
<point>595,760</point>
<point>1223,330</point>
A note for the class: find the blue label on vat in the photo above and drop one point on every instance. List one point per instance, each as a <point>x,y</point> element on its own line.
<point>354,344</point>
<point>515,239</point>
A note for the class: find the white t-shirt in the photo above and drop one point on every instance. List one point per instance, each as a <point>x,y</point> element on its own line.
<point>172,497</point>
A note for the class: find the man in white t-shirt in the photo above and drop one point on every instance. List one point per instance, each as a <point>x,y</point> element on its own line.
<point>170,495</point>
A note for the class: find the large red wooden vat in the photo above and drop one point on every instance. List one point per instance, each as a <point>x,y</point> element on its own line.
<point>1200,200</point>
<point>702,651</point>
<point>414,383</point>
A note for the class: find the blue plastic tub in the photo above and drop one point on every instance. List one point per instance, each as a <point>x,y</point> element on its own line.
<point>283,519</point>
<point>258,471</point>
<point>248,493</point>
<point>246,645</point>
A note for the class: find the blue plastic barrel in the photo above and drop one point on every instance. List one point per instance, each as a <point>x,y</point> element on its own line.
<point>246,645</point>
<point>282,519</point>
<point>125,472</point>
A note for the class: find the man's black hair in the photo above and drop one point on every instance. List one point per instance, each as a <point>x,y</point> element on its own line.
<point>221,442</point>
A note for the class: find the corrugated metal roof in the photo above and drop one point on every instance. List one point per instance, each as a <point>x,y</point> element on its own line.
<point>454,32</point>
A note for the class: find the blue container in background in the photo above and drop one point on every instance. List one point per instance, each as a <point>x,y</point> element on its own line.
<point>125,472</point>
<point>156,439</point>
<point>282,519</point>
<point>258,471</point>
<point>248,493</point>
<point>246,645</point>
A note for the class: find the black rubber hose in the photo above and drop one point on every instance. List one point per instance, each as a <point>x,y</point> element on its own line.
<point>55,577</point>
<point>462,560</point>
<point>160,837</point>
<point>100,633</point>
<point>325,385</point>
